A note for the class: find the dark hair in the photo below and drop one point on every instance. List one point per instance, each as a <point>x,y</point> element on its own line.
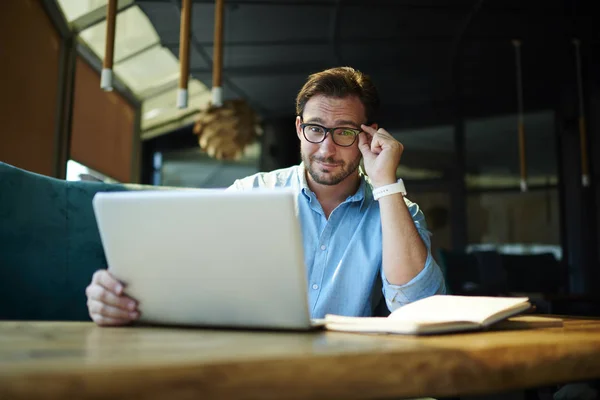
<point>340,82</point>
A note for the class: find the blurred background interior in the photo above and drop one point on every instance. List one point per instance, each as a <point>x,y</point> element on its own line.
<point>455,78</point>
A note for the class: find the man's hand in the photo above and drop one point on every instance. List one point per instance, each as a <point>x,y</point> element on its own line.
<point>381,154</point>
<point>107,304</point>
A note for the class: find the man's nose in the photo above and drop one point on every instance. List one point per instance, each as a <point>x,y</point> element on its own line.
<point>327,147</point>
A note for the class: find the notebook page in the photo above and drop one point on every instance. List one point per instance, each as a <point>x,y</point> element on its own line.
<point>448,308</point>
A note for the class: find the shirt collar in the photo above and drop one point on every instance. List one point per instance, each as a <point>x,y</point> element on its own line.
<point>302,181</point>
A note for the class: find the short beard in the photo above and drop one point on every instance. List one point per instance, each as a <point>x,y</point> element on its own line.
<point>326,178</point>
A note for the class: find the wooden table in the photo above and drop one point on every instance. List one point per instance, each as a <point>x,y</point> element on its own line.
<point>64,360</point>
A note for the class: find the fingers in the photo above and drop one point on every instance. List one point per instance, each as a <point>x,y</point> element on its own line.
<point>104,296</point>
<point>381,138</point>
<point>103,278</point>
<point>107,305</point>
<point>368,129</point>
<point>375,138</point>
<point>104,310</point>
<point>376,132</point>
<point>377,142</point>
<point>364,142</point>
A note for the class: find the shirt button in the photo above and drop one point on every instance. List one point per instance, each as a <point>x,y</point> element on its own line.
<point>315,286</point>
<point>323,247</point>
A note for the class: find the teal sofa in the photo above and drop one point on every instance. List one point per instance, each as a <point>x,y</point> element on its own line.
<point>49,245</point>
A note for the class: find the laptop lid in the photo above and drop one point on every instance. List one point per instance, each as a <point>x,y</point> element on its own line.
<point>208,257</point>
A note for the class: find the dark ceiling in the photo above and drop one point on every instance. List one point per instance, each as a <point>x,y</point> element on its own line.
<point>427,57</point>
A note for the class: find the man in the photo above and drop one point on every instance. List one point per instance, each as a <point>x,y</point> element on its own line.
<point>363,240</point>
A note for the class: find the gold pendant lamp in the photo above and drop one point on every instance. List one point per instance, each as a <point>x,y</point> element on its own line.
<point>225,128</point>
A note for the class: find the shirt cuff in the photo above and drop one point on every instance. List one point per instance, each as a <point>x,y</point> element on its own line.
<point>428,282</point>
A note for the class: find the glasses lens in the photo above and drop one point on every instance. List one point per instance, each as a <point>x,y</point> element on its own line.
<point>314,133</point>
<point>344,136</point>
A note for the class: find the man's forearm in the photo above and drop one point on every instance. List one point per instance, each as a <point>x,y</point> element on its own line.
<point>404,253</point>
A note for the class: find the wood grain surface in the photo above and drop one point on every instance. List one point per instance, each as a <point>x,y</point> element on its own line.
<point>60,360</point>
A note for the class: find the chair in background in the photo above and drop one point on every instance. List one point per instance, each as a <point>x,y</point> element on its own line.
<point>460,271</point>
<point>490,273</point>
<point>534,273</point>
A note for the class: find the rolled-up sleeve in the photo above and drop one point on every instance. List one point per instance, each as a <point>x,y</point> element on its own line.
<point>428,282</point>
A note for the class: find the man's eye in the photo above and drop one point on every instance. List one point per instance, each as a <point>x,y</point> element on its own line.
<point>348,132</point>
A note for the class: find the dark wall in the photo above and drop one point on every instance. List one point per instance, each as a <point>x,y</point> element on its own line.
<point>280,145</point>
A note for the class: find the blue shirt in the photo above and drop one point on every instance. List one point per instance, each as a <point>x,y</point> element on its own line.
<point>343,254</point>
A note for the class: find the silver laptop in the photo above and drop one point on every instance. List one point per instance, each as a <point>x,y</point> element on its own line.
<point>208,257</point>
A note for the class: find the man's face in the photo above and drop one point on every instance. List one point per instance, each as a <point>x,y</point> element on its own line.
<point>326,162</point>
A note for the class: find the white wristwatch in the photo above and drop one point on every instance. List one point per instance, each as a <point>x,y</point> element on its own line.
<point>393,188</point>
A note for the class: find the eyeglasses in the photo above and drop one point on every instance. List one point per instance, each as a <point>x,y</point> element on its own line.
<point>341,136</point>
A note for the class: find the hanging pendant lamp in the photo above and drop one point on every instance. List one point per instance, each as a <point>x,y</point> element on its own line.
<point>184,54</point>
<point>225,128</point>
<point>520,123</point>
<point>106,78</point>
<point>585,167</point>
<point>217,88</point>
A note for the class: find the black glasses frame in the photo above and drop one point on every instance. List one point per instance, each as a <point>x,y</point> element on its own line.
<point>327,131</point>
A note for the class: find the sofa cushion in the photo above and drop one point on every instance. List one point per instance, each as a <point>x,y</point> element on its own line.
<point>49,245</point>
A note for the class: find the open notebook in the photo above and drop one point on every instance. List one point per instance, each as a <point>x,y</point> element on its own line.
<point>435,314</point>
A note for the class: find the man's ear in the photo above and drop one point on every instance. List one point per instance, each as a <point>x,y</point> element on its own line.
<point>298,127</point>
<point>374,126</point>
